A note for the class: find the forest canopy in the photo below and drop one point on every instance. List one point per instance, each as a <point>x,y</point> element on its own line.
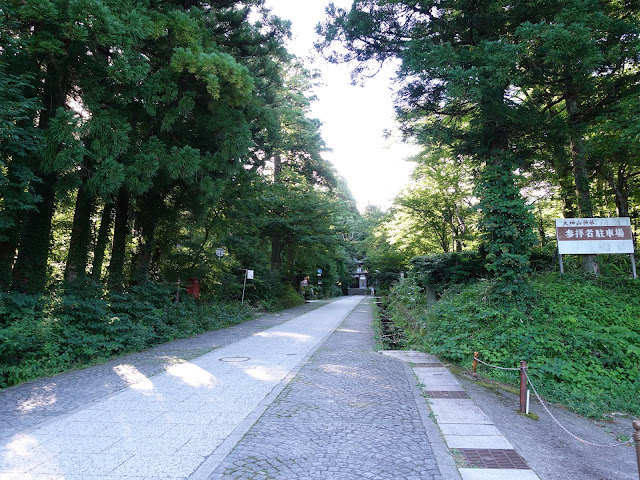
<point>139,137</point>
<point>526,111</point>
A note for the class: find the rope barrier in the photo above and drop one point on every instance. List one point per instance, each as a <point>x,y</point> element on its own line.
<point>494,366</point>
<point>562,426</point>
<point>475,358</point>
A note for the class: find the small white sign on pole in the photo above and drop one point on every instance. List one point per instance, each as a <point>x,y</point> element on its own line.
<point>249,274</point>
<point>586,236</point>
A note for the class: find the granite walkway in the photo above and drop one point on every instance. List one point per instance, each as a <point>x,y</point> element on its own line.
<point>350,413</point>
<point>164,425</point>
<point>481,451</point>
<point>305,398</point>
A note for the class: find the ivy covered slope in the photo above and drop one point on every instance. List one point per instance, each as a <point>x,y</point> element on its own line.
<point>580,336</point>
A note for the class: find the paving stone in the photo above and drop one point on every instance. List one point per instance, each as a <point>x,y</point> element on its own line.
<point>458,411</point>
<point>158,465</point>
<point>431,377</point>
<point>36,402</point>
<point>448,394</point>
<point>444,388</point>
<point>492,474</point>
<point>411,356</point>
<point>468,429</point>
<point>157,426</point>
<point>477,441</point>
<point>348,414</point>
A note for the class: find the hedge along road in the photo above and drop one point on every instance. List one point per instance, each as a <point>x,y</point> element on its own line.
<point>183,422</point>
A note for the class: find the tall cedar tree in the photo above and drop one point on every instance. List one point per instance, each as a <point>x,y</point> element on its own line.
<point>458,60</point>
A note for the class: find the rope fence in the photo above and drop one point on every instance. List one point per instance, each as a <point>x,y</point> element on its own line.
<point>525,379</point>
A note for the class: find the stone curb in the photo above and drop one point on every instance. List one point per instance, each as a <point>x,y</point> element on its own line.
<point>482,452</point>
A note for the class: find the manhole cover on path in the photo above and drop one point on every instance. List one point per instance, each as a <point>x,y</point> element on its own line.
<point>234,359</point>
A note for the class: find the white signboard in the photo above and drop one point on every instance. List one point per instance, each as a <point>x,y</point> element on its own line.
<point>585,236</point>
<point>249,274</point>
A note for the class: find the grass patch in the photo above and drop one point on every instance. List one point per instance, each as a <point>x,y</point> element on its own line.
<point>579,335</point>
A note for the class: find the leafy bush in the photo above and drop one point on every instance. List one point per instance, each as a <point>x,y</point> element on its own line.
<point>580,336</point>
<point>41,336</point>
<point>543,259</point>
<point>441,271</point>
<point>285,298</point>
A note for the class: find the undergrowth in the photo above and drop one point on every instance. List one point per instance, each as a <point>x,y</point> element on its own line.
<point>74,327</point>
<point>580,336</point>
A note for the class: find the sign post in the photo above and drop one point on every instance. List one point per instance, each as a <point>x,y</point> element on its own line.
<point>590,236</point>
<point>248,275</point>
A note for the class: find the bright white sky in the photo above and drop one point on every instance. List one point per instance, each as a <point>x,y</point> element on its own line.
<point>354,118</point>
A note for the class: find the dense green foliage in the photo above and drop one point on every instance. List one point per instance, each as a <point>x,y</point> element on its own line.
<point>507,227</point>
<point>442,271</point>
<point>44,335</point>
<point>579,335</point>
<point>137,138</point>
<point>532,106</point>
<point>496,93</point>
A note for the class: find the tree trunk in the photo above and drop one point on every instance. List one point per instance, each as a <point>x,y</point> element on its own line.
<point>7,255</point>
<point>80,241</point>
<point>580,170</point>
<point>101,242</point>
<point>291,260</point>
<point>621,189</point>
<point>120,232</point>
<point>569,200</point>
<point>276,252</point>
<point>146,222</point>
<point>30,270</point>
<point>276,241</point>
<point>461,229</point>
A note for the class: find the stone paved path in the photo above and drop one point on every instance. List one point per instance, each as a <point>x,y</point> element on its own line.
<point>159,426</point>
<point>35,402</point>
<point>350,413</point>
<point>345,411</point>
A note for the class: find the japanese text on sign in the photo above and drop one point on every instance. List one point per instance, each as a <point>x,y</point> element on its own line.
<point>594,235</point>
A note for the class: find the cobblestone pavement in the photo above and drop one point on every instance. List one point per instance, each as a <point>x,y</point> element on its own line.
<point>35,402</point>
<point>176,423</point>
<point>349,413</point>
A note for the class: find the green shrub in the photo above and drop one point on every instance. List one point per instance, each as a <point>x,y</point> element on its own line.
<point>285,297</point>
<point>580,336</point>
<point>441,271</point>
<point>83,324</point>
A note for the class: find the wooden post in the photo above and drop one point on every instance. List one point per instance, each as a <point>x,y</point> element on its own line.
<point>178,292</point>
<point>636,437</point>
<point>633,265</point>
<point>474,366</point>
<point>523,387</point>
<point>244,285</point>
<point>560,262</point>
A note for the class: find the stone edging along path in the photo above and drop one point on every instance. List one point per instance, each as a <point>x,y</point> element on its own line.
<point>481,452</point>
